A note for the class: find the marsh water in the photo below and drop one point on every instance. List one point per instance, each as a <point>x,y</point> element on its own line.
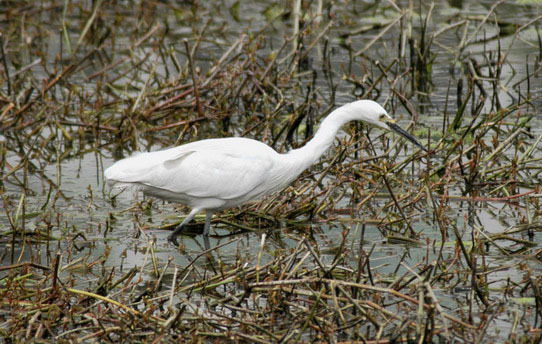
<point>61,192</point>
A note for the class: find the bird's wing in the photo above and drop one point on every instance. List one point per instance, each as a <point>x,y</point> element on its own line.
<point>208,173</point>
<point>134,168</point>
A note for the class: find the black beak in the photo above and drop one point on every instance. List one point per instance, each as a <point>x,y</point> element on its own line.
<point>406,135</point>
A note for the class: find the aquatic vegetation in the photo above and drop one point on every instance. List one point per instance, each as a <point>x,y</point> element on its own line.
<point>378,242</point>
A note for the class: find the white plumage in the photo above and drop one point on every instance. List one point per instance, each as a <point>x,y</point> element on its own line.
<point>217,174</point>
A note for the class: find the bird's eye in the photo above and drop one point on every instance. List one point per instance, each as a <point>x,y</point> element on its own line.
<point>381,117</point>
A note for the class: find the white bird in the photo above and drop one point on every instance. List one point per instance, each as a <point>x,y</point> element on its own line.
<point>216,174</point>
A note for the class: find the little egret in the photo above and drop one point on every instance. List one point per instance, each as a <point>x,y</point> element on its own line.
<point>217,174</point>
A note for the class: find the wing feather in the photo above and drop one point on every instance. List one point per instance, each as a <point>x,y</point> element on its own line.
<point>210,175</point>
<point>216,168</point>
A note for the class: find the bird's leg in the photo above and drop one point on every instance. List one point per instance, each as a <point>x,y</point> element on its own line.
<point>206,243</point>
<point>172,238</point>
<point>208,217</point>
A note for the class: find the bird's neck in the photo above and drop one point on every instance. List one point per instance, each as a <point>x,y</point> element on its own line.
<point>322,140</point>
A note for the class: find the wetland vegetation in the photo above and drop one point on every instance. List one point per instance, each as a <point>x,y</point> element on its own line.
<point>380,242</point>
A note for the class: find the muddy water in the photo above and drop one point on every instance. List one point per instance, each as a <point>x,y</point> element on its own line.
<point>118,233</point>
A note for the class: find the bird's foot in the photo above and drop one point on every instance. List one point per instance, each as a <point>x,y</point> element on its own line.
<point>172,238</point>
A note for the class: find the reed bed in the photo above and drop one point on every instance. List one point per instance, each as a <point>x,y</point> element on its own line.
<point>377,243</point>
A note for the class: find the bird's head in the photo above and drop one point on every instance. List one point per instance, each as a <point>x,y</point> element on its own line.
<point>371,112</point>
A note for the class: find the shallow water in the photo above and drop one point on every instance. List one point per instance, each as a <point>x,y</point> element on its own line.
<point>117,233</point>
